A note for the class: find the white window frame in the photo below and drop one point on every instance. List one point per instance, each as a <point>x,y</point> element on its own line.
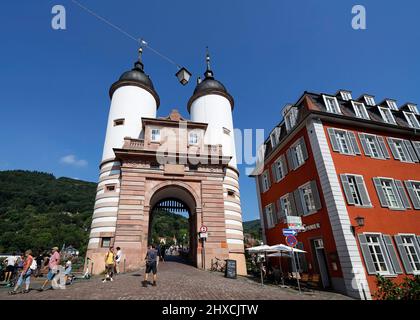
<point>355,193</point>
<point>375,144</point>
<point>335,107</point>
<point>399,145</point>
<point>265,183</point>
<point>155,134</point>
<point>343,142</point>
<point>269,212</point>
<point>416,271</point>
<point>290,118</point>
<point>383,111</point>
<point>286,204</point>
<point>192,141</point>
<point>375,255</point>
<point>307,210</point>
<point>345,95</point>
<point>297,149</point>
<point>275,137</point>
<point>279,167</point>
<point>412,122</point>
<point>370,101</point>
<point>392,187</point>
<point>360,114</point>
<point>413,108</point>
<point>416,188</point>
<point>392,104</point>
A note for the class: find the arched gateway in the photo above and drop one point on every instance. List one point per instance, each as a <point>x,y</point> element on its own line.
<point>170,161</point>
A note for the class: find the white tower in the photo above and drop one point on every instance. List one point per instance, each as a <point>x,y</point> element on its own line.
<point>212,104</point>
<point>133,97</point>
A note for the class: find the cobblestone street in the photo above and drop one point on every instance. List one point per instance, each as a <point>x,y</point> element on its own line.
<point>176,281</point>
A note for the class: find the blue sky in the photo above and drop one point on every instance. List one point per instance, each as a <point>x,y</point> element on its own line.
<point>54,84</point>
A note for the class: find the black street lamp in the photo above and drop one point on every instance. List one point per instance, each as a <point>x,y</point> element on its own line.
<point>183,76</point>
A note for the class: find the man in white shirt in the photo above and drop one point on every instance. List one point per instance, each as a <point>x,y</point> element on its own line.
<point>10,269</point>
<point>118,260</point>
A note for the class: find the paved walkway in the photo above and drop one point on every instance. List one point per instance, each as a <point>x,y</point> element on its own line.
<point>176,281</point>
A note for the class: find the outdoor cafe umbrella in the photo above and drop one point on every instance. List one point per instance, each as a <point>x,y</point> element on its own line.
<point>261,249</point>
<point>283,248</point>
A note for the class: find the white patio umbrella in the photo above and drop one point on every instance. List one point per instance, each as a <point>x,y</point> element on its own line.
<point>280,248</point>
<point>284,248</point>
<point>261,249</point>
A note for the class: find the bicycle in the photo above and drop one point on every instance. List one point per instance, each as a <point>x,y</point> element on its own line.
<point>217,265</point>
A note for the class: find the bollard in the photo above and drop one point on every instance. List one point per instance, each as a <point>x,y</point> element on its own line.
<point>124,265</point>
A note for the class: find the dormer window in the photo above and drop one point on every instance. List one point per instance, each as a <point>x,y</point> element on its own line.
<point>155,136</point>
<point>370,101</point>
<point>360,110</point>
<point>392,104</point>
<point>413,108</point>
<point>275,137</point>
<point>290,117</point>
<point>332,105</point>
<point>412,120</point>
<point>387,115</point>
<point>345,95</point>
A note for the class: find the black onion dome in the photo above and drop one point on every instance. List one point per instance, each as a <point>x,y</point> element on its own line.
<point>136,77</point>
<point>209,85</point>
<point>137,74</point>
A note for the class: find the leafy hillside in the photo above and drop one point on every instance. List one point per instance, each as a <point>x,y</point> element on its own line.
<point>167,225</point>
<point>253,227</point>
<point>38,211</point>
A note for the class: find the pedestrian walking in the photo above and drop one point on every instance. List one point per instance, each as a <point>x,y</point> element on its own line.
<point>109,264</point>
<point>151,265</point>
<point>53,263</point>
<point>39,260</point>
<point>67,271</point>
<point>118,259</point>
<point>29,265</point>
<point>10,268</point>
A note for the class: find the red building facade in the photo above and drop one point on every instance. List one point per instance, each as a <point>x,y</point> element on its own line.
<point>350,169</point>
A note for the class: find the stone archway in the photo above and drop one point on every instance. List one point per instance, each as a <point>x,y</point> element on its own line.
<point>175,194</point>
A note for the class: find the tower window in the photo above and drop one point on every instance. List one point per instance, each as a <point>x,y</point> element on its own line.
<point>106,242</point>
<point>155,137</point>
<point>118,122</point>
<point>193,138</point>
<point>231,193</point>
<point>226,131</point>
<point>110,188</point>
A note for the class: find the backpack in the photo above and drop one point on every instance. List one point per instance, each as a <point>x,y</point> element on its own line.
<point>34,265</point>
